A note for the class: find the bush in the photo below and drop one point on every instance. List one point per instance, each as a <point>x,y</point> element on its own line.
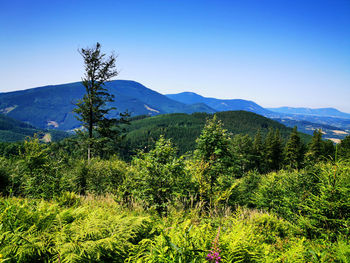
<point>160,176</point>
<point>327,213</point>
<point>99,177</point>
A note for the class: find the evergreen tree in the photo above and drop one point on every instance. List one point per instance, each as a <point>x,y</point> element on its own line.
<point>92,109</point>
<point>328,149</point>
<point>315,151</point>
<point>243,153</point>
<point>213,152</point>
<point>293,151</point>
<point>344,148</point>
<point>161,175</point>
<point>269,149</point>
<point>259,152</point>
<point>273,144</point>
<point>278,150</point>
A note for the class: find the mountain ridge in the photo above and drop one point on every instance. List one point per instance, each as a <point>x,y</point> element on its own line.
<point>52,106</point>
<point>219,104</point>
<point>328,111</point>
<point>305,122</point>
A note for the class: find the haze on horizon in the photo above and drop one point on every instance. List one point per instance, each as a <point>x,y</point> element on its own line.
<point>277,53</point>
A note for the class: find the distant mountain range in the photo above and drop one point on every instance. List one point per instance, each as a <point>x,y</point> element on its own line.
<point>324,112</point>
<point>218,104</point>
<point>51,107</point>
<point>333,122</point>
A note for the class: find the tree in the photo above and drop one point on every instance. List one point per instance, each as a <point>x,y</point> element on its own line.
<point>242,153</point>
<point>344,148</point>
<point>39,175</point>
<point>315,151</point>
<point>92,109</point>
<point>259,152</point>
<point>161,176</point>
<point>293,150</point>
<point>274,151</point>
<point>213,154</point>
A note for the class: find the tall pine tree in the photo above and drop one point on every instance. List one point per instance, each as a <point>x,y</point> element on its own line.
<point>92,109</point>
<point>274,152</point>
<point>315,149</point>
<point>293,151</point>
<point>259,152</point>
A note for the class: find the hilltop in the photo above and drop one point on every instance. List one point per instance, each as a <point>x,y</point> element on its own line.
<point>183,129</point>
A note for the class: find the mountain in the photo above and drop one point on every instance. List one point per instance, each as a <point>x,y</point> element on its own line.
<point>183,129</point>
<point>324,112</point>
<point>12,130</point>
<point>52,106</point>
<point>219,104</point>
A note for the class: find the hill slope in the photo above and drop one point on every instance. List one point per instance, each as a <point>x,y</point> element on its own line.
<point>183,129</point>
<point>219,104</point>
<point>51,106</point>
<point>12,130</point>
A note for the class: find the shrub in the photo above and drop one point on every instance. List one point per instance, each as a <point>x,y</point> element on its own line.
<point>160,176</point>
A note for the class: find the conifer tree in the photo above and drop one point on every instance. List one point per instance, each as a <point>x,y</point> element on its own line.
<point>269,149</point>
<point>213,150</point>
<point>293,151</point>
<point>315,151</point>
<point>242,153</point>
<point>273,144</point>
<point>328,149</point>
<point>92,109</point>
<point>278,150</point>
<point>162,175</point>
<point>344,148</point>
<point>259,152</point>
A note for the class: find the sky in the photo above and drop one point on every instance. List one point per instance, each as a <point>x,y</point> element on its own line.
<point>274,52</point>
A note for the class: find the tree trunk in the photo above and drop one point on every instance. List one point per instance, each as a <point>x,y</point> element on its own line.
<point>90,130</point>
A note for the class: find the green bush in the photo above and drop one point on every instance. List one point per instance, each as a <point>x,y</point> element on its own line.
<point>160,176</point>
<point>327,213</point>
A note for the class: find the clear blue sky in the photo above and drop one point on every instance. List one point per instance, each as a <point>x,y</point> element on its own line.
<point>276,53</point>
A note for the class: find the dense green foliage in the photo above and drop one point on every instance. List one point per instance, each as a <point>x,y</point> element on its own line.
<point>183,129</point>
<point>261,199</point>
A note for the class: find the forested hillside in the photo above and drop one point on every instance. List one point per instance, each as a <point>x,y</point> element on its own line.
<point>183,129</point>
<point>12,130</point>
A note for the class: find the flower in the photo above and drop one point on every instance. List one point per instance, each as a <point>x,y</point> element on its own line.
<point>214,253</point>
